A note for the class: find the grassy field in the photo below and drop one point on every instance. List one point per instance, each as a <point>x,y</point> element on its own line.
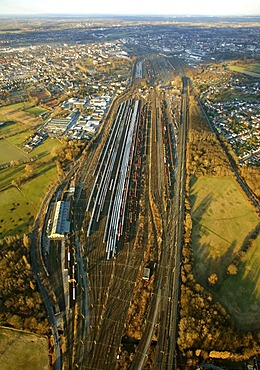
<point>10,128</point>
<point>222,220</point>
<point>36,111</point>
<point>7,109</point>
<point>230,95</point>
<point>10,152</point>
<point>20,206</point>
<point>18,113</point>
<point>20,137</point>
<point>27,119</point>
<point>20,350</point>
<point>250,70</point>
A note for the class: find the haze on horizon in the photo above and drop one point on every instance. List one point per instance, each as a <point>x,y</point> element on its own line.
<point>133,7</point>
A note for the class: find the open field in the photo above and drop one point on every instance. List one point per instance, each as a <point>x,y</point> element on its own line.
<point>12,108</point>
<point>24,118</point>
<point>22,205</point>
<point>21,112</point>
<point>11,128</point>
<point>21,350</point>
<point>250,70</point>
<point>10,152</point>
<point>36,111</point>
<point>223,219</point>
<point>20,137</point>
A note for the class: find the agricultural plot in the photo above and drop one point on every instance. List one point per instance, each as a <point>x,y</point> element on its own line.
<point>252,70</point>
<point>10,128</point>
<point>21,112</point>
<point>21,350</point>
<point>223,222</point>
<point>35,111</point>
<point>21,204</point>
<point>23,117</point>
<point>18,140</point>
<point>10,152</point>
<point>9,109</point>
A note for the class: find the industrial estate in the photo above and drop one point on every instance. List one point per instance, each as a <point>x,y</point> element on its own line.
<point>130,192</point>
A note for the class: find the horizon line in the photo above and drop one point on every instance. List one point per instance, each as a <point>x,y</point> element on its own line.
<point>129,15</point>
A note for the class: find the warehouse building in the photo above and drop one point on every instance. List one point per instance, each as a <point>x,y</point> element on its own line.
<point>60,223</point>
<point>58,125</point>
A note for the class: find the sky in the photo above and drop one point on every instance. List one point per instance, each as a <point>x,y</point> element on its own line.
<point>132,7</point>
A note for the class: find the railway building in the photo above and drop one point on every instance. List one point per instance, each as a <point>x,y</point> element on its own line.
<point>60,222</point>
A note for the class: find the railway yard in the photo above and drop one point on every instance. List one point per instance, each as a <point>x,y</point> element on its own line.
<point>137,209</point>
<point>125,202</point>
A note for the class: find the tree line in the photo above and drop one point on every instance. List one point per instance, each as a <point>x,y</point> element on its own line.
<point>21,305</point>
<point>205,328</point>
<point>204,324</point>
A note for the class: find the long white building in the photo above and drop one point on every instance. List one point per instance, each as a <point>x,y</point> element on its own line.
<point>60,222</point>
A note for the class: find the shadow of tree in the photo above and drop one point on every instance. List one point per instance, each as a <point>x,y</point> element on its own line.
<point>238,293</point>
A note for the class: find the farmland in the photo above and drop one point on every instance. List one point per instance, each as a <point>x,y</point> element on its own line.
<point>21,204</point>
<point>10,152</point>
<point>21,350</point>
<point>10,128</point>
<point>23,113</point>
<point>36,111</point>
<point>7,110</point>
<point>252,70</point>
<point>223,222</point>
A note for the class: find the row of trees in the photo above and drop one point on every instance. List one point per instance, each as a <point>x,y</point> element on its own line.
<point>67,153</point>
<point>204,321</point>
<point>251,175</point>
<point>205,328</point>
<point>207,76</point>
<point>21,305</point>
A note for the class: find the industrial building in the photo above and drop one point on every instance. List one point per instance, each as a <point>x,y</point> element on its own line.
<point>60,222</point>
<point>58,124</point>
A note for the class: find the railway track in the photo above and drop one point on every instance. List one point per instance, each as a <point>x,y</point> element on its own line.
<point>123,202</point>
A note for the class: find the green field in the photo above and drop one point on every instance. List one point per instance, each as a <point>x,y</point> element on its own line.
<point>20,138</point>
<point>10,128</point>
<point>252,70</point>
<point>222,220</point>
<point>10,152</point>
<point>21,350</point>
<point>7,109</point>
<point>36,111</point>
<point>230,95</point>
<point>24,114</point>
<point>21,206</point>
